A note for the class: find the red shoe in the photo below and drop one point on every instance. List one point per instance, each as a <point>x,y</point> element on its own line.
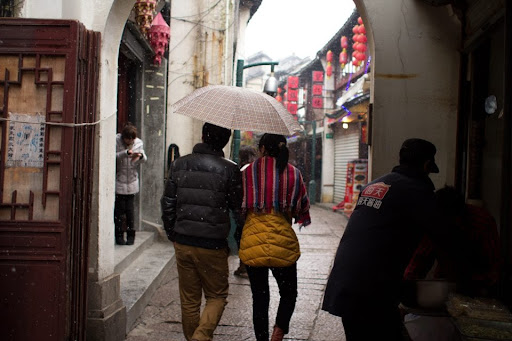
<point>277,334</point>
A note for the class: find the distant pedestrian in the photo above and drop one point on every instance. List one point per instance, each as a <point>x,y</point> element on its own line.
<point>246,156</point>
<point>201,189</point>
<point>392,214</point>
<point>173,152</point>
<point>129,155</point>
<point>274,194</point>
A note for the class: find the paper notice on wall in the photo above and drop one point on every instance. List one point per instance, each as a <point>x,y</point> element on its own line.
<point>25,147</point>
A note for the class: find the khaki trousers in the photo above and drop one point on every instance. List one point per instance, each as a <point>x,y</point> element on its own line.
<point>201,270</point>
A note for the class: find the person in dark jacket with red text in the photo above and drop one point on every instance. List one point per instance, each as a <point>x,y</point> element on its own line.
<point>392,214</point>
<point>201,189</point>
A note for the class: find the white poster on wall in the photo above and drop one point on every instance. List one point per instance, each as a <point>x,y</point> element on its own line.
<point>25,147</point>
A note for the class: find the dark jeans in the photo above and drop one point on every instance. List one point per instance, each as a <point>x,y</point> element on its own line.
<point>287,282</point>
<point>381,326</point>
<point>124,206</point>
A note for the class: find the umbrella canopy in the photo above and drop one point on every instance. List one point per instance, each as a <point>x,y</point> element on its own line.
<point>238,108</point>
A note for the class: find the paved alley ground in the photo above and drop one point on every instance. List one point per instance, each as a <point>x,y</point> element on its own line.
<point>161,320</point>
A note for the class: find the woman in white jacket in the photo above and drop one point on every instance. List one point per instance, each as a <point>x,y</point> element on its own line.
<point>129,154</point>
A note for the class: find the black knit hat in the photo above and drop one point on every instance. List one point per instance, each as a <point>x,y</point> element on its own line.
<point>414,152</point>
<point>217,137</point>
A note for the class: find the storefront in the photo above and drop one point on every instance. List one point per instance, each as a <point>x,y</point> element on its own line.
<point>346,148</point>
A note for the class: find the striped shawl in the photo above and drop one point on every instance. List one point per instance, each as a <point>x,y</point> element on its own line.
<point>265,190</point>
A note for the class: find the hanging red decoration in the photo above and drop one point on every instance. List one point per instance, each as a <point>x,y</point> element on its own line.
<point>361,47</point>
<point>362,39</point>
<point>344,42</point>
<point>362,29</point>
<point>343,57</point>
<point>355,29</point>
<point>356,62</point>
<point>328,70</point>
<point>360,20</point>
<point>279,98</point>
<point>329,56</point>
<point>360,56</point>
<point>279,90</point>
<point>159,35</point>
<point>144,11</point>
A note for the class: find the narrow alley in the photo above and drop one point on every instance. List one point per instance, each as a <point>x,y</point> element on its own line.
<point>161,319</point>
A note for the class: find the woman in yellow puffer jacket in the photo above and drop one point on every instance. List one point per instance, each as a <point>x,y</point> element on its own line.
<point>274,194</point>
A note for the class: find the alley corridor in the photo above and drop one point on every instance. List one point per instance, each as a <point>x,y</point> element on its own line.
<point>161,320</point>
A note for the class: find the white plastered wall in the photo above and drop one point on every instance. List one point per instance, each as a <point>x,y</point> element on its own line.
<point>200,53</point>
<point>415,73</point>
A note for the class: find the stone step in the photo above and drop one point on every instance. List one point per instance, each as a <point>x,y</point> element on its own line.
<point>124,255</point>
<point>141,278</point>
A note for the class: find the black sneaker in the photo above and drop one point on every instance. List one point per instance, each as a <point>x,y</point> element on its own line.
<point>130,241</point>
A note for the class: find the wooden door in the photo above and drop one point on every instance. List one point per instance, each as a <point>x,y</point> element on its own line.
<point>48,82</point>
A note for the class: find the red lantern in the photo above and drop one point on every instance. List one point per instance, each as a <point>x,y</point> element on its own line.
<point>328,70</point>
<point>356,62</point>
<point>355,29</point>
<point>361,56</point>
<point>362,29</point>
<point>343,57</point>
<point>329,56</point>
<point>360,21</point>
<point>159,34</point>
<point>279,98</point>
<point>344,42</point>
<point>279,90</point>
<point>361,47</point>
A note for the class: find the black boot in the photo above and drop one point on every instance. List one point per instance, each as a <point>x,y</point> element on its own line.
<point>130,237</point>
<point>120,240</point>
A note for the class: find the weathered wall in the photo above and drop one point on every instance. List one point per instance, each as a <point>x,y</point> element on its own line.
<point>415,80</point>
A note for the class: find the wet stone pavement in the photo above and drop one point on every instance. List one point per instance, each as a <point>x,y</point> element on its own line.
<point>161,319</point>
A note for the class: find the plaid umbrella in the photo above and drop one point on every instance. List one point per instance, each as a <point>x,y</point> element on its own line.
<point>238,108</point>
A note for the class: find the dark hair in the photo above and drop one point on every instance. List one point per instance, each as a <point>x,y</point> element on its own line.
<point>215,136</point>
<point>450,201</point>
<point>415,152</point>
<point>173,152</point>
<point>275,146</point>
<point>247,154</point>
<point>129,131</point>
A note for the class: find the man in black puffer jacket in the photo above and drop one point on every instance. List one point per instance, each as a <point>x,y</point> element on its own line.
<point>201,190</point>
